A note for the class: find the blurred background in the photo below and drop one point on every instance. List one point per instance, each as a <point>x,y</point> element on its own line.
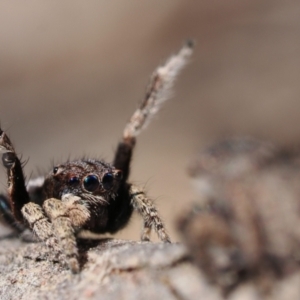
<point>72,72</point>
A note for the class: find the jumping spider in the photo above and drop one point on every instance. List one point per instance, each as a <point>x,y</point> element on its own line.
<point>88,194</point>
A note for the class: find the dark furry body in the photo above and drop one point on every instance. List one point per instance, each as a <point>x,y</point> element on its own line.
<point>106,217</point>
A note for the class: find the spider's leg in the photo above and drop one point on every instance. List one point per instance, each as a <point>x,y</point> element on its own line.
<point>145,236</point>
<point>149,213</point>
<point>7,218</point>
<point>158,91</point>
<point>17,192</point>
<point>66,216</point>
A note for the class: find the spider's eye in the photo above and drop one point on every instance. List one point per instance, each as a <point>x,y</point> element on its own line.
<point>73,180</point>
<point>108,181</point>
<point>91,183</point>
<point>55,170</point>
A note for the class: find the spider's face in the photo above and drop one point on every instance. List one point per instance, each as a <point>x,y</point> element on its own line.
<point>91,180</point>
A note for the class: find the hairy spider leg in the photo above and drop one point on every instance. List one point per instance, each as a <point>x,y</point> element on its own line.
<point>18,195</point>
<point>157,92</point>
<point>149,213</point>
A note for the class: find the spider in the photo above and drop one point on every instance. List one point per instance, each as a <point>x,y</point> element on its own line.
<point>88,194</point>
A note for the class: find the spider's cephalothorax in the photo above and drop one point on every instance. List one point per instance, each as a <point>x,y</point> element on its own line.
<point>87,194</point>
<point>83,178</point>
<point>98,185</point>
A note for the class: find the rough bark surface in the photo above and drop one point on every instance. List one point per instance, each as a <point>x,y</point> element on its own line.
<point>118,269</point>
<point>111,269</point>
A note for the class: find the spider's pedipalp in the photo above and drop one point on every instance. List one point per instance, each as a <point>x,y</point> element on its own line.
<point>149,213</point>
<point>78,213</point>
<point>64,231</point>
<point>39,223</point>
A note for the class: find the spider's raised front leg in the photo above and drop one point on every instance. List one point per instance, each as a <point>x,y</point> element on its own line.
<point>157,92</point>
<point>149,213</point>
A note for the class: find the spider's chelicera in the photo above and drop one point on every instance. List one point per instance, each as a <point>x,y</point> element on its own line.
<point>87,194</point>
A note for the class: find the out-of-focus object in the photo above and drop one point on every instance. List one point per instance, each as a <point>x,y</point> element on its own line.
<point>245,226</point>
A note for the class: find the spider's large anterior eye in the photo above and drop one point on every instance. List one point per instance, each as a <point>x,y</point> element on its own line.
<point>108,181</point>
<point>91,183</point>
<point>55,170</point>
<point>73,180</point>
